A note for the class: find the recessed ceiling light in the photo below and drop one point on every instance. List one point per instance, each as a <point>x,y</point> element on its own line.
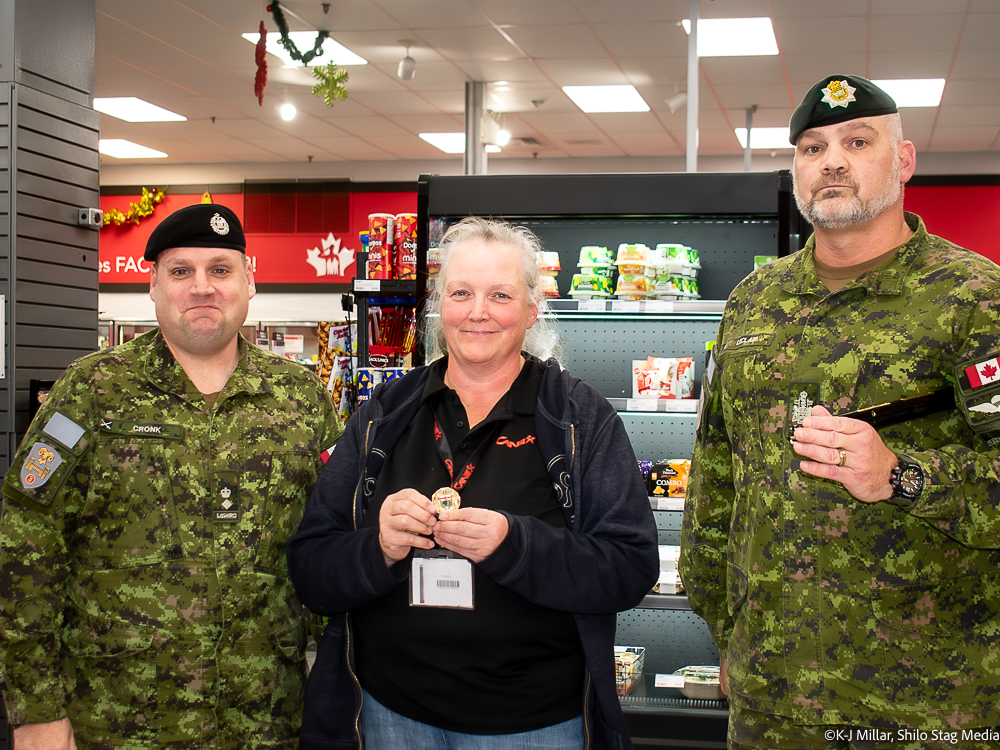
<point>767,138</point>
<point>122,149</point>
<point>734,37</point>
<point>491,149</point>
<point>913,92</point>
<point>450,143</point>
<point>332,51</point>
<point>131,109</point>
<point>606,98</point>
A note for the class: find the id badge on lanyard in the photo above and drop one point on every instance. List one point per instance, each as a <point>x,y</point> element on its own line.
<point>438,577</point>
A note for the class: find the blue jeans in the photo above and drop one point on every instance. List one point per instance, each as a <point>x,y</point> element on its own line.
<point>386,730</point>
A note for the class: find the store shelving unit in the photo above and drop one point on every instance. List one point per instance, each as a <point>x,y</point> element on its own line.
<point>729,218</point>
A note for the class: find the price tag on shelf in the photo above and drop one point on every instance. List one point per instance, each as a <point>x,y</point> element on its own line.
<point>669,681</point>
<point>670,503</point>
<point>640,404</point>
<point>367,285</point>
<point>625,305</point>
<point>680,404</point>
<point>660,306</point>
<point>592,305</point>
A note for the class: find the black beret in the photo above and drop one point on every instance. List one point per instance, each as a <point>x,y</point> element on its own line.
<point>838,99</point>
<point>201,225</point>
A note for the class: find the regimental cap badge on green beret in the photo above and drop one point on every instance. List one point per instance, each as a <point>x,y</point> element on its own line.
<point>201,225</point>
<point>838,99</point>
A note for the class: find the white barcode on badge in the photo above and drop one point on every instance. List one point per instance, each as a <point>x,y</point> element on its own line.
<point>448,584</point>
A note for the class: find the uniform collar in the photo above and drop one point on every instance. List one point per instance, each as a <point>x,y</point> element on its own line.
<point>163,371</point>
<point>800,275</point>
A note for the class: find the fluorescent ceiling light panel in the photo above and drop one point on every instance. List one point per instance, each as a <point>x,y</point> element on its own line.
<point>450,143</point>
<point>304,40</point>
<point>131,109</point>
<point>122,149</point>
<point>734,37</point>
<point>593,99</point>
<point>491,149</point>
<point>913,92</point>
<point>766,138</point>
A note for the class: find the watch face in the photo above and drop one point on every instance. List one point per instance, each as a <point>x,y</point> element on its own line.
<point>912,481</point>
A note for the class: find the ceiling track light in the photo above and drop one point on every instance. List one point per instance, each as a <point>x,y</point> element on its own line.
<point>407,66</point>
<point>677,101</point>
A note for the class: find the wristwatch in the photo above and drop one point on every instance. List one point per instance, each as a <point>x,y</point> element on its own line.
<point>907,480</point>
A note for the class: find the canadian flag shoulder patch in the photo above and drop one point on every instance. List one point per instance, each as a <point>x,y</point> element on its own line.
<point>983,373</point>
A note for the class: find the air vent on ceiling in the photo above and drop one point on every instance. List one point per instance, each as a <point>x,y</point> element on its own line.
<point>529,141</point>
<point>585,142</point>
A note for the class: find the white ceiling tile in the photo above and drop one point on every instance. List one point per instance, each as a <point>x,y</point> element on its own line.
<point>515,71</point>
<point>471,44</point>
<point>913,64</point>
<point>648,144</point>
<point>967,116</point>
<point>977,138</point>
<point>627,122</point>
<point>602,11</point>
<point>395,105</point>
<point>554,42</point>
<point>913,7</point>
<point>560,123</point>
<point>370,126</point>
<point>818,9</point>
<point>797,35</point>
<point>583,72</point>
<point>433,14</point>
<point>643,39</point>
<point>528,12</point>
<point>905,33</point>
<point>975,65</point>
<point>981,31</point>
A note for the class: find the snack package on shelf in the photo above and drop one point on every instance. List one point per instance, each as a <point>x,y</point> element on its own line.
<point>678,260</point>
<point>340,376</point>
<point>548,263</point>
<point>549,287</point>
<point>391,334</point>
<point>634,260</point>
<point>633,287</point>
<point>369,377</point>
<point>663,377</point>
<point>669,582</point>
<point>404,255</point>
<point>629,663</point>
<point>669,557</point>
<point>590,286</point>
<point>669,477</point>
<point>381,238</point>
<point>645,468</point>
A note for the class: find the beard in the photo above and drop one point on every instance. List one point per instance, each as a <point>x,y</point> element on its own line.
<point>839,211</point>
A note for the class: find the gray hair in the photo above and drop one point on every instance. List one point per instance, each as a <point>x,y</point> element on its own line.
<point>542,339</point>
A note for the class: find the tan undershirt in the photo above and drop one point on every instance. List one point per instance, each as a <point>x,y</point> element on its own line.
<point>211,397</point>
<point>836,277</point>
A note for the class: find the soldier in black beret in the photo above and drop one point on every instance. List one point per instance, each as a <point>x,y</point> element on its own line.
<point>855,596</point>
<point>151,502</point>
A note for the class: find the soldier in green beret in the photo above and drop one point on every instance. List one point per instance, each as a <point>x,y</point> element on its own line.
<point>848,563</point>
<point>144,593</point>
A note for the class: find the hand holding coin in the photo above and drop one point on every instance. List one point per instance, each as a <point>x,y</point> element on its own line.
<point>406,520</point>
<point>446,498</point>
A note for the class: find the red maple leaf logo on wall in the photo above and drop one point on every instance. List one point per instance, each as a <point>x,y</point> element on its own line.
<point>988,371</point>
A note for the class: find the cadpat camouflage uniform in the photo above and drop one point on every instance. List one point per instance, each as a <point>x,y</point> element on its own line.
<point>833,611</point>
<point>124,604</point>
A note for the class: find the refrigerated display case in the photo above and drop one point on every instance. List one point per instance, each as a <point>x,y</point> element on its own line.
<point>731,219</point>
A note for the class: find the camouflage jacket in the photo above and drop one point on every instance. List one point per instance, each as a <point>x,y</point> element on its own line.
<point>126,603</point>
<point>832,610</point>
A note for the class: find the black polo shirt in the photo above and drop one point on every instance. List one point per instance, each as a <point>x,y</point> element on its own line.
<point>508,665</point>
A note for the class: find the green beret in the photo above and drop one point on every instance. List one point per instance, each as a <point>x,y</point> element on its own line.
<point>201,225</point>
<point>838,99</point>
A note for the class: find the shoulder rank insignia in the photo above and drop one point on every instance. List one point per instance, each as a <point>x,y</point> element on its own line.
<point>39,465</point>
<point>988,407</point>
<point>838,94</point>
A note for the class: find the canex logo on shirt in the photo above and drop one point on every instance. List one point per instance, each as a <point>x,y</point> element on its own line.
<point>508,443</point>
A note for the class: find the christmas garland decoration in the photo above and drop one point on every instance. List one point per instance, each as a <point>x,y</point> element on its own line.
<point>304,57</point>
<point>260,55</point>
<point>331,83</point>
<point>145,207</point>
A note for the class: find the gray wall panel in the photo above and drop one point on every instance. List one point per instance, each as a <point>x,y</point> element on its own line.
<point>47,252</point>
<point>55,190</point>
<point>62,338</point>
<point>56,231</point>
<point>31,100</point>
<point>50,315</point>
<point>31,141</point>
<point>53,273</point>
<point>65,297</point>
<point>53,359</point>
<point>39,164</point>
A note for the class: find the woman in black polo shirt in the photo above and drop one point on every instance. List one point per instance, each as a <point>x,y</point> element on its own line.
<point>489,625</point>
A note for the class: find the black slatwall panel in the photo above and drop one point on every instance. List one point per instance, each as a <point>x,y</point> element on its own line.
<point>6,402</point>
<point>53,319</point>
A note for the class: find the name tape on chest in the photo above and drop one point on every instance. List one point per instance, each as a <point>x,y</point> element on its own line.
<point>160,430</point>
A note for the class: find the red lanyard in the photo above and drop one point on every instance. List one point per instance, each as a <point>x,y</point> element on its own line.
<point>444,450</point>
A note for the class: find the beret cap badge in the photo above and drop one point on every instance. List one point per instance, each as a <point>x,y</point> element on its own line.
<point>219,225</point>
<point>838,94</point>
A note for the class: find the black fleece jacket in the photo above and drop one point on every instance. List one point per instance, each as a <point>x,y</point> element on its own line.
<point>602,563</point>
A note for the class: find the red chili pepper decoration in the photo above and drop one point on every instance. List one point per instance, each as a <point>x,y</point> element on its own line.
<point>260,55</point>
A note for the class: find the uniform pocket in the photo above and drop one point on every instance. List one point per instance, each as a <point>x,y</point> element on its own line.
<point>933,638</point>
<point>129,517</point>
<point>110,670</point>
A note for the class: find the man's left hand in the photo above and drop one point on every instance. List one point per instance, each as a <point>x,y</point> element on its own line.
<point>867,462</point>
<point>474,533</point>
